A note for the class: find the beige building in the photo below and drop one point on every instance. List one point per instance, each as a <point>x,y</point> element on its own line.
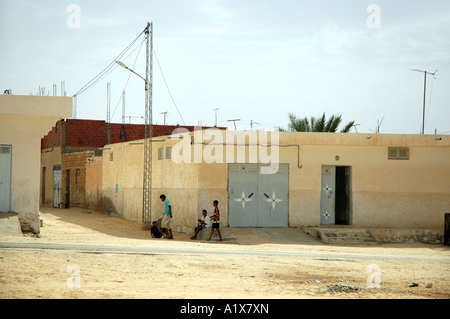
<point>361,180</point>
<point>24,120</point>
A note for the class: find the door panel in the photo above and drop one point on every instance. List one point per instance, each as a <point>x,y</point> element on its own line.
<point>5,178</point>
<point>273,199</point>
<point>327,195</point>
<point>242,193</point>
<point>56,188</point>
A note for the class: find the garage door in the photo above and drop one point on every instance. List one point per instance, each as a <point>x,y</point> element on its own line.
<point>257,200</point>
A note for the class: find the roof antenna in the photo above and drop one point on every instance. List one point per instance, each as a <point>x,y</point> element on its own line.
<point>234,122</point>
<point>424,90</point>
<point>215,121</point>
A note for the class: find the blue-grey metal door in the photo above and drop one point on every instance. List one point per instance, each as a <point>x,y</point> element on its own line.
<point>5,177</point>
<point>255,199</point>
<point>242,194</point>
<point>273,191</point>
<point>56,187</point>
<point>327,195</point>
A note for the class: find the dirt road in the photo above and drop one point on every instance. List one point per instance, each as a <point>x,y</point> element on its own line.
<point>83,254</point>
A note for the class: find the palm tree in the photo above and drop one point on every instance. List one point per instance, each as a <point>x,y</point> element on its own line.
<point>316,124</point>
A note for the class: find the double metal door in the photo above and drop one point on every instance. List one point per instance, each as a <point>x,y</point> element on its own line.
<point>255,199</point>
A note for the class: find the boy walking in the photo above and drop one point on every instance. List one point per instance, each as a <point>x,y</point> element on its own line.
<point>215,218</point>
<point>166,222</point>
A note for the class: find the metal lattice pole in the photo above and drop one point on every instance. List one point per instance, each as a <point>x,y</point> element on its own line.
<point>148,134</point>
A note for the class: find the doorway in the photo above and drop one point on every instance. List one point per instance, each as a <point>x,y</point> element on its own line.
<point>335,199</point>
<point>5,177</point>
<point>57,186</point>
<point>67,191</point>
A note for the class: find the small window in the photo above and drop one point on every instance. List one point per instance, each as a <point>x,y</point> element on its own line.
<point>111,156</point>
<point>399,153</point>
<point>160,153</point>
<point>169,153</point>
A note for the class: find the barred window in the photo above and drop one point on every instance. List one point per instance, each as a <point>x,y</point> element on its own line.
<point>399,153</point>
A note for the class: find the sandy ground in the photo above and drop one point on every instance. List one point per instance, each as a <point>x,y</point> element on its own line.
<point>246,265</point>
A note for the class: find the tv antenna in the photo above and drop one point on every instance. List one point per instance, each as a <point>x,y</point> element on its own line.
<point>251,124</point>
<point>377,128</point>
<point>234,121</point>
<point>215,116</point>
<point>164,114</point>
<point>424,90</point>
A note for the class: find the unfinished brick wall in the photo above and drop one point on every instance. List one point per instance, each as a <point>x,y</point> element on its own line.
<point>94,133</point>
<point>73,181</point>
<point>53,137</point>
<point>84,133</point>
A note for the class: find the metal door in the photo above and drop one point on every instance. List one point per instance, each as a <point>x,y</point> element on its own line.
<point>257,200</point>
<point>347,195</point>
<point>56,187</point>
<point>5,178</point>
<point>273,198</point>
<point>242,194</point>
<point>327,197</point>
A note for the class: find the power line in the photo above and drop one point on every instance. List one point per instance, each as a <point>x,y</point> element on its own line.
<point>164,78</point>
<point>126,83</point>
<point>107,69</point>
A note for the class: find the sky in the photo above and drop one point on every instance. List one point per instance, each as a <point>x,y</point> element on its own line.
<point>252,60</point>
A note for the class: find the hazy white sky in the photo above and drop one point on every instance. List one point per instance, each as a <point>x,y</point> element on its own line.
<point>256,60</point>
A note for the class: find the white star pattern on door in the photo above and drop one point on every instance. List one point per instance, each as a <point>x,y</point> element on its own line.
<point>329,190</point>
<point>243,199</point>
<point>326,214</point>
<point>274,200</point>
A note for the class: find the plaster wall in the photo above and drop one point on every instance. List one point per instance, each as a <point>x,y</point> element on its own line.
<point>412,193</point>
<point>24,120</point>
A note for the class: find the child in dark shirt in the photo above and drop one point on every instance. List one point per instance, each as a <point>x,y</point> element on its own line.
<point>215,220</point>
<point>155,230</point>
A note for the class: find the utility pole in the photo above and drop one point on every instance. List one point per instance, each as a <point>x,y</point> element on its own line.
<point>148,126</point>
<point>123,107</point>
<point>123,133</point>
<point>148,129</point>
<point>424,90</point>
<point>108,113</point>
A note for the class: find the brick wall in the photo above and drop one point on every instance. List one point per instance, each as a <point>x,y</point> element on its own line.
<point>73,179</point>
<point>93,133</point>
<point>53,137</point>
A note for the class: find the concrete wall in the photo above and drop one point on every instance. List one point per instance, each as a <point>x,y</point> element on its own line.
<point>24,120</point>
<point>122,172</point>
<point>413,193</point>
<point>94,183</point>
